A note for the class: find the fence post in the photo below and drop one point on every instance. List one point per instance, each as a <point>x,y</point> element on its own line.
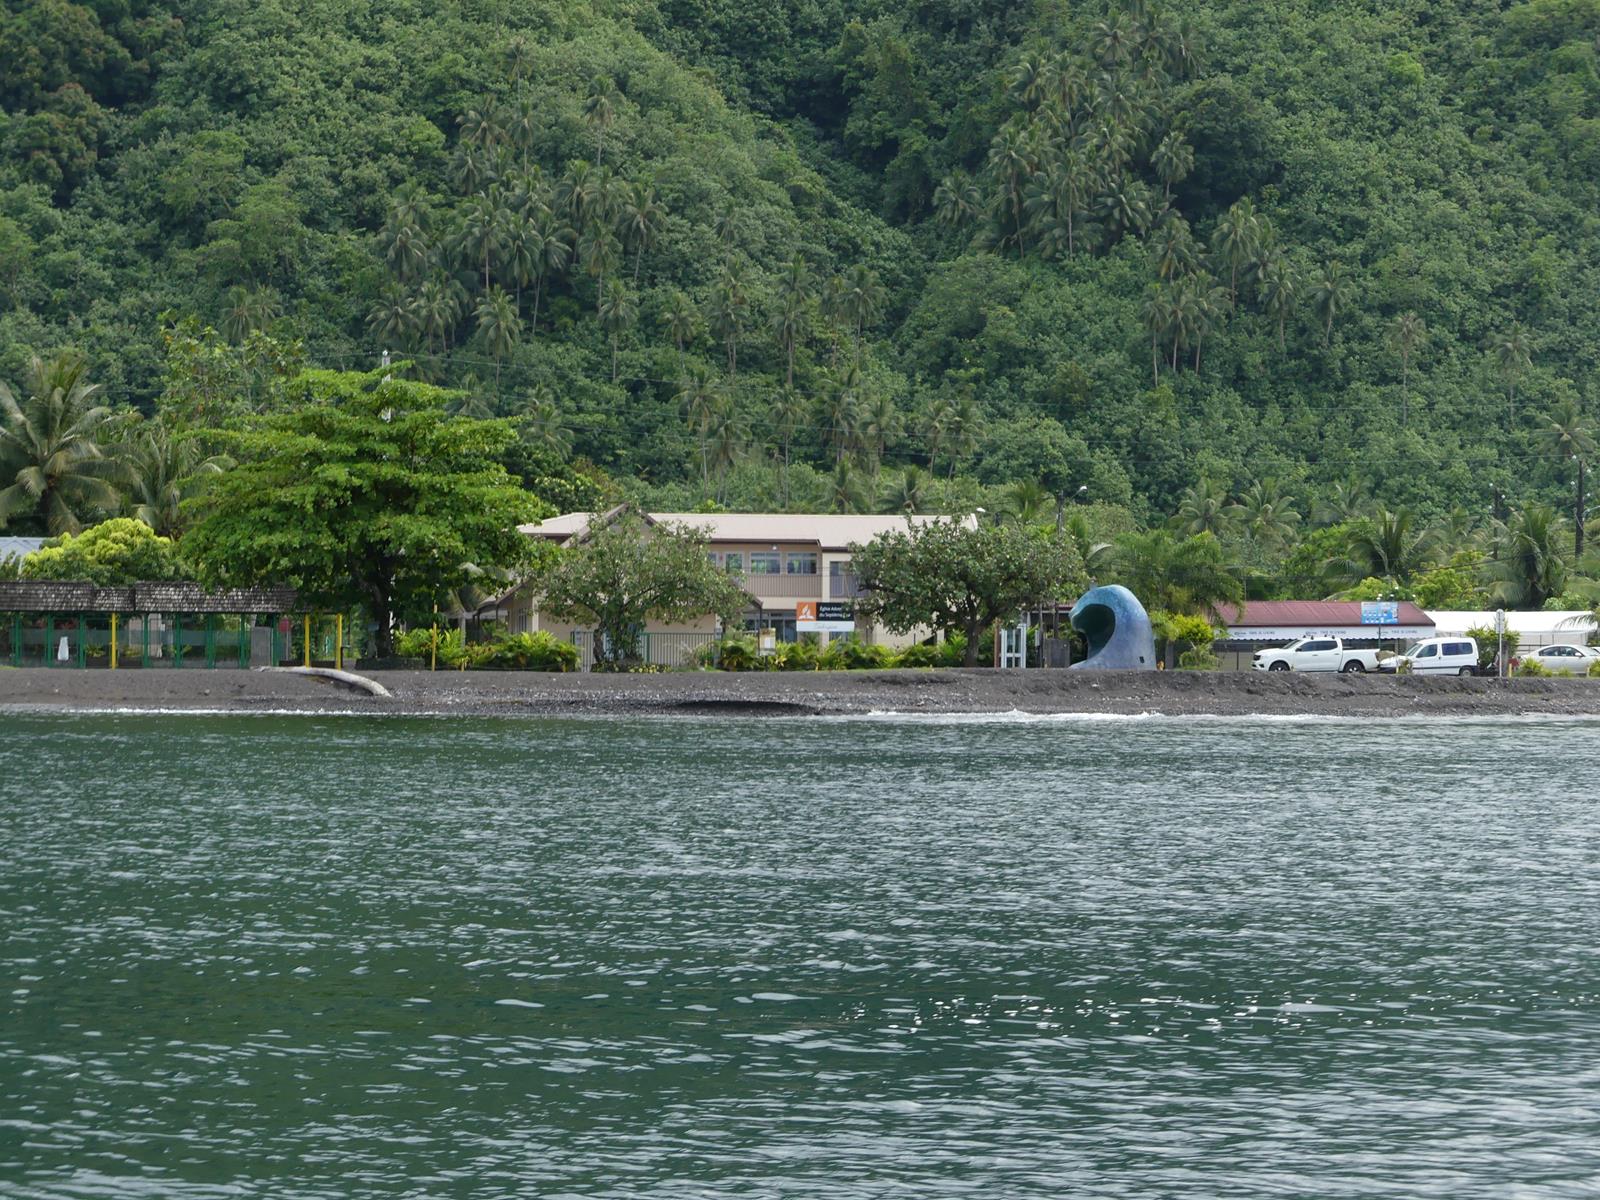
<point>177,639</point>
<point>144,652</point>
<point>305,629</point>
<point>338,645</point>
<point>49,639</point>
<point>83,658</point>
<point>16,639</point>
<point>211,640</point>
<point>113,641</point>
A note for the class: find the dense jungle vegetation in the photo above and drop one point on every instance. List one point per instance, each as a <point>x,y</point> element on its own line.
<point>1321,279</point>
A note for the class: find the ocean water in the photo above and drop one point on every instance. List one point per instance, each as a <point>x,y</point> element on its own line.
<point>307,957</point>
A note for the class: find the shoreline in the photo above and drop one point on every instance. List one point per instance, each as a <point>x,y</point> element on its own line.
<point>980,691</point>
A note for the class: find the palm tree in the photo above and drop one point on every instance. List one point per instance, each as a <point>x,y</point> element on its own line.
<point>794,300</point>
<point>1280,291</point>
<point>52,464</point>
<point>543,425</point>
<point>700,396</point>
<point>550,246</point>
<point>1237,242</point>
<point>844,489</point>
<point>789,414</point>
<point>727,434</point>
<point>729,305</point>
<point>1408,334</point>
<point>935,426</point>
<point>1172,160</point>
<point>160,469</point>
<point>599,111</point>
<point>1387,545</point>
<point>880,427</point>
<point>957,199</point>
<point>1160,316</point>
<point>406,247</point>
<point>1028,502</point>
<point>1178,575</point>
<point>682,320</point>
<point>1203,508</point>
<point>639,220</point>
<point>1098,555</point>
<point>1012,162</point>
<point>1267,514</point>
<point>863,298</point>
<point>1530,568</point>
<point>965,432</point>
<point>1567,436</point>
<point>1348,499</point>
<point>617,312</point>
<point>483,232</point>
<point>1513,357</point>
<point>841,412</point>
<point>394,317</point>
<point>908,493</point>
<point>497,321</point>
<point>1029,80</point>
<point>1329,294</point>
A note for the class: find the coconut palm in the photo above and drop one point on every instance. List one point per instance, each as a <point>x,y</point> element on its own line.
<point>550,247</point>
<point>789,414</point>
<point>956,200</point>
<point>1513,356</point>
<point>908,493</point>
<point>1204,508</point>
<point>1280,291</point>
<point>53,469</point>
<point>936,426</point>
<point>880,428</point>
<point>1530,567</point>
<point>1329,295</point>
<point>394,317</point>
<point>1176,574</point>
<point>249,309</point>
<point>1237,243</point>
<point>483,233</point>
<point>543,425</point>
<point>1266,514</point>
<point>862,300</point>
<point>789,322</point>
<point>160,469</point>
<point>1566,435</point>
<point>845,494</point>
<point>841,412</point>
<point>700,396</point>
<point>682,321</point>
<point>600,111</point>
<point>1386,545</point>
<point>1172,160</point>
<point>639,220</point>
<point>618,309</point>
<point>729,308</point>
<point>965,432</point>
<point>1407,335</point>
<point>498,323</point>
<point>1028,502</point>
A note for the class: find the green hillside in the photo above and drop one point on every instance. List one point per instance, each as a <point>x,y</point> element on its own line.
<point>1282,243</point>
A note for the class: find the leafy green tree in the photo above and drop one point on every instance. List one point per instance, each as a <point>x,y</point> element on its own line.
<point>54,471</point>
<point>113,553</point>
<point>368,494</point>
<point>948,575</point>
<point>630,572</point>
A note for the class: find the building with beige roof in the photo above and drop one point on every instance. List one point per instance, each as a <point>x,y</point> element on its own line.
<point>787,564</point>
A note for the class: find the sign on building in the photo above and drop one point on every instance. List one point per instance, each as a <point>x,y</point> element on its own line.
<point>824,616</point>
<point>1380,612</point>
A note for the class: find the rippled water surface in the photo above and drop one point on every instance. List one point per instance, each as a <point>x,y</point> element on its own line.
<point>338,957</point>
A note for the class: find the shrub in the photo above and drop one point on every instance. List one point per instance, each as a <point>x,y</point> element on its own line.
<point>852,655</point>
<point>540,651</point>
<point>1594,670</point>
<point>797,656</point>
<point>953,651</point>
<point>735,652</point>
<point>418,643</point>
<point>918,656</point>
<point>1489,644</point>
<point>1198,658</point>
<point>1532,668</point>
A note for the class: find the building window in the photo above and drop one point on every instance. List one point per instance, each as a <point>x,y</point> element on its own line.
<point>734,562</point>
<point>765,562</point>
<point>802,564</point>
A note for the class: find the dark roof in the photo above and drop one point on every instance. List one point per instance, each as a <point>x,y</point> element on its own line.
<point>1319,613</point>
<point>50,596</point>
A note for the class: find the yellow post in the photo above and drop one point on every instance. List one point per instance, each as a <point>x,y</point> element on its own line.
<point>434,664</point>
<point>338,651</point>
<point>113,641</point>
<point>306,628</point>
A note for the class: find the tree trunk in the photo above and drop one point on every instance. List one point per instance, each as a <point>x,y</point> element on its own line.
<point>381,616</point>
<point>1577,525</point>
<point>973,630</point>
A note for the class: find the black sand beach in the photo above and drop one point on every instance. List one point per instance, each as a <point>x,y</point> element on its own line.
<point>804,693</point>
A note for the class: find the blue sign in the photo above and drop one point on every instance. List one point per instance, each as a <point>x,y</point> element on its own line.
<point>1380,612</point>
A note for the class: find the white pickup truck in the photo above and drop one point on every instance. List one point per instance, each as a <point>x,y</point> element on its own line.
<point>1316,654</point>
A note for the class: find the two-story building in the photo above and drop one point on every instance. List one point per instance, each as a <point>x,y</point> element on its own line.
<point>787,564</point>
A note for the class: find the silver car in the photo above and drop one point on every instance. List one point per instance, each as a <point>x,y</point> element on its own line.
<point>1563,659</point>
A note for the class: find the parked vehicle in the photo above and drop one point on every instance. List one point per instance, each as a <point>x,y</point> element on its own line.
<point>1316,654</point>
<point>1437,656</point>
<point>1563,659</point>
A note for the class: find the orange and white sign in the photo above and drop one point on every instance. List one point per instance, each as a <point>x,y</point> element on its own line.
<point>823,616</point>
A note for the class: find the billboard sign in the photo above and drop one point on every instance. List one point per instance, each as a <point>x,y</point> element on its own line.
<point>1380,612</point>
<point>824,616</point>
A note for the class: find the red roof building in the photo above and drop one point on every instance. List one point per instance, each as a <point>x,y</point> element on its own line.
<point>1286,620</point>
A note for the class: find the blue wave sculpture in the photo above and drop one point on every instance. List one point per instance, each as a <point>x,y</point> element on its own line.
<point>1117,629</point>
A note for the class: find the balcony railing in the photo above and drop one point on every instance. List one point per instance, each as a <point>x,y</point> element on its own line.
<point>775,587</point>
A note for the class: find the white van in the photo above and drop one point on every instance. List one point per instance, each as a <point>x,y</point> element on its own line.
<point>1437,656</point>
